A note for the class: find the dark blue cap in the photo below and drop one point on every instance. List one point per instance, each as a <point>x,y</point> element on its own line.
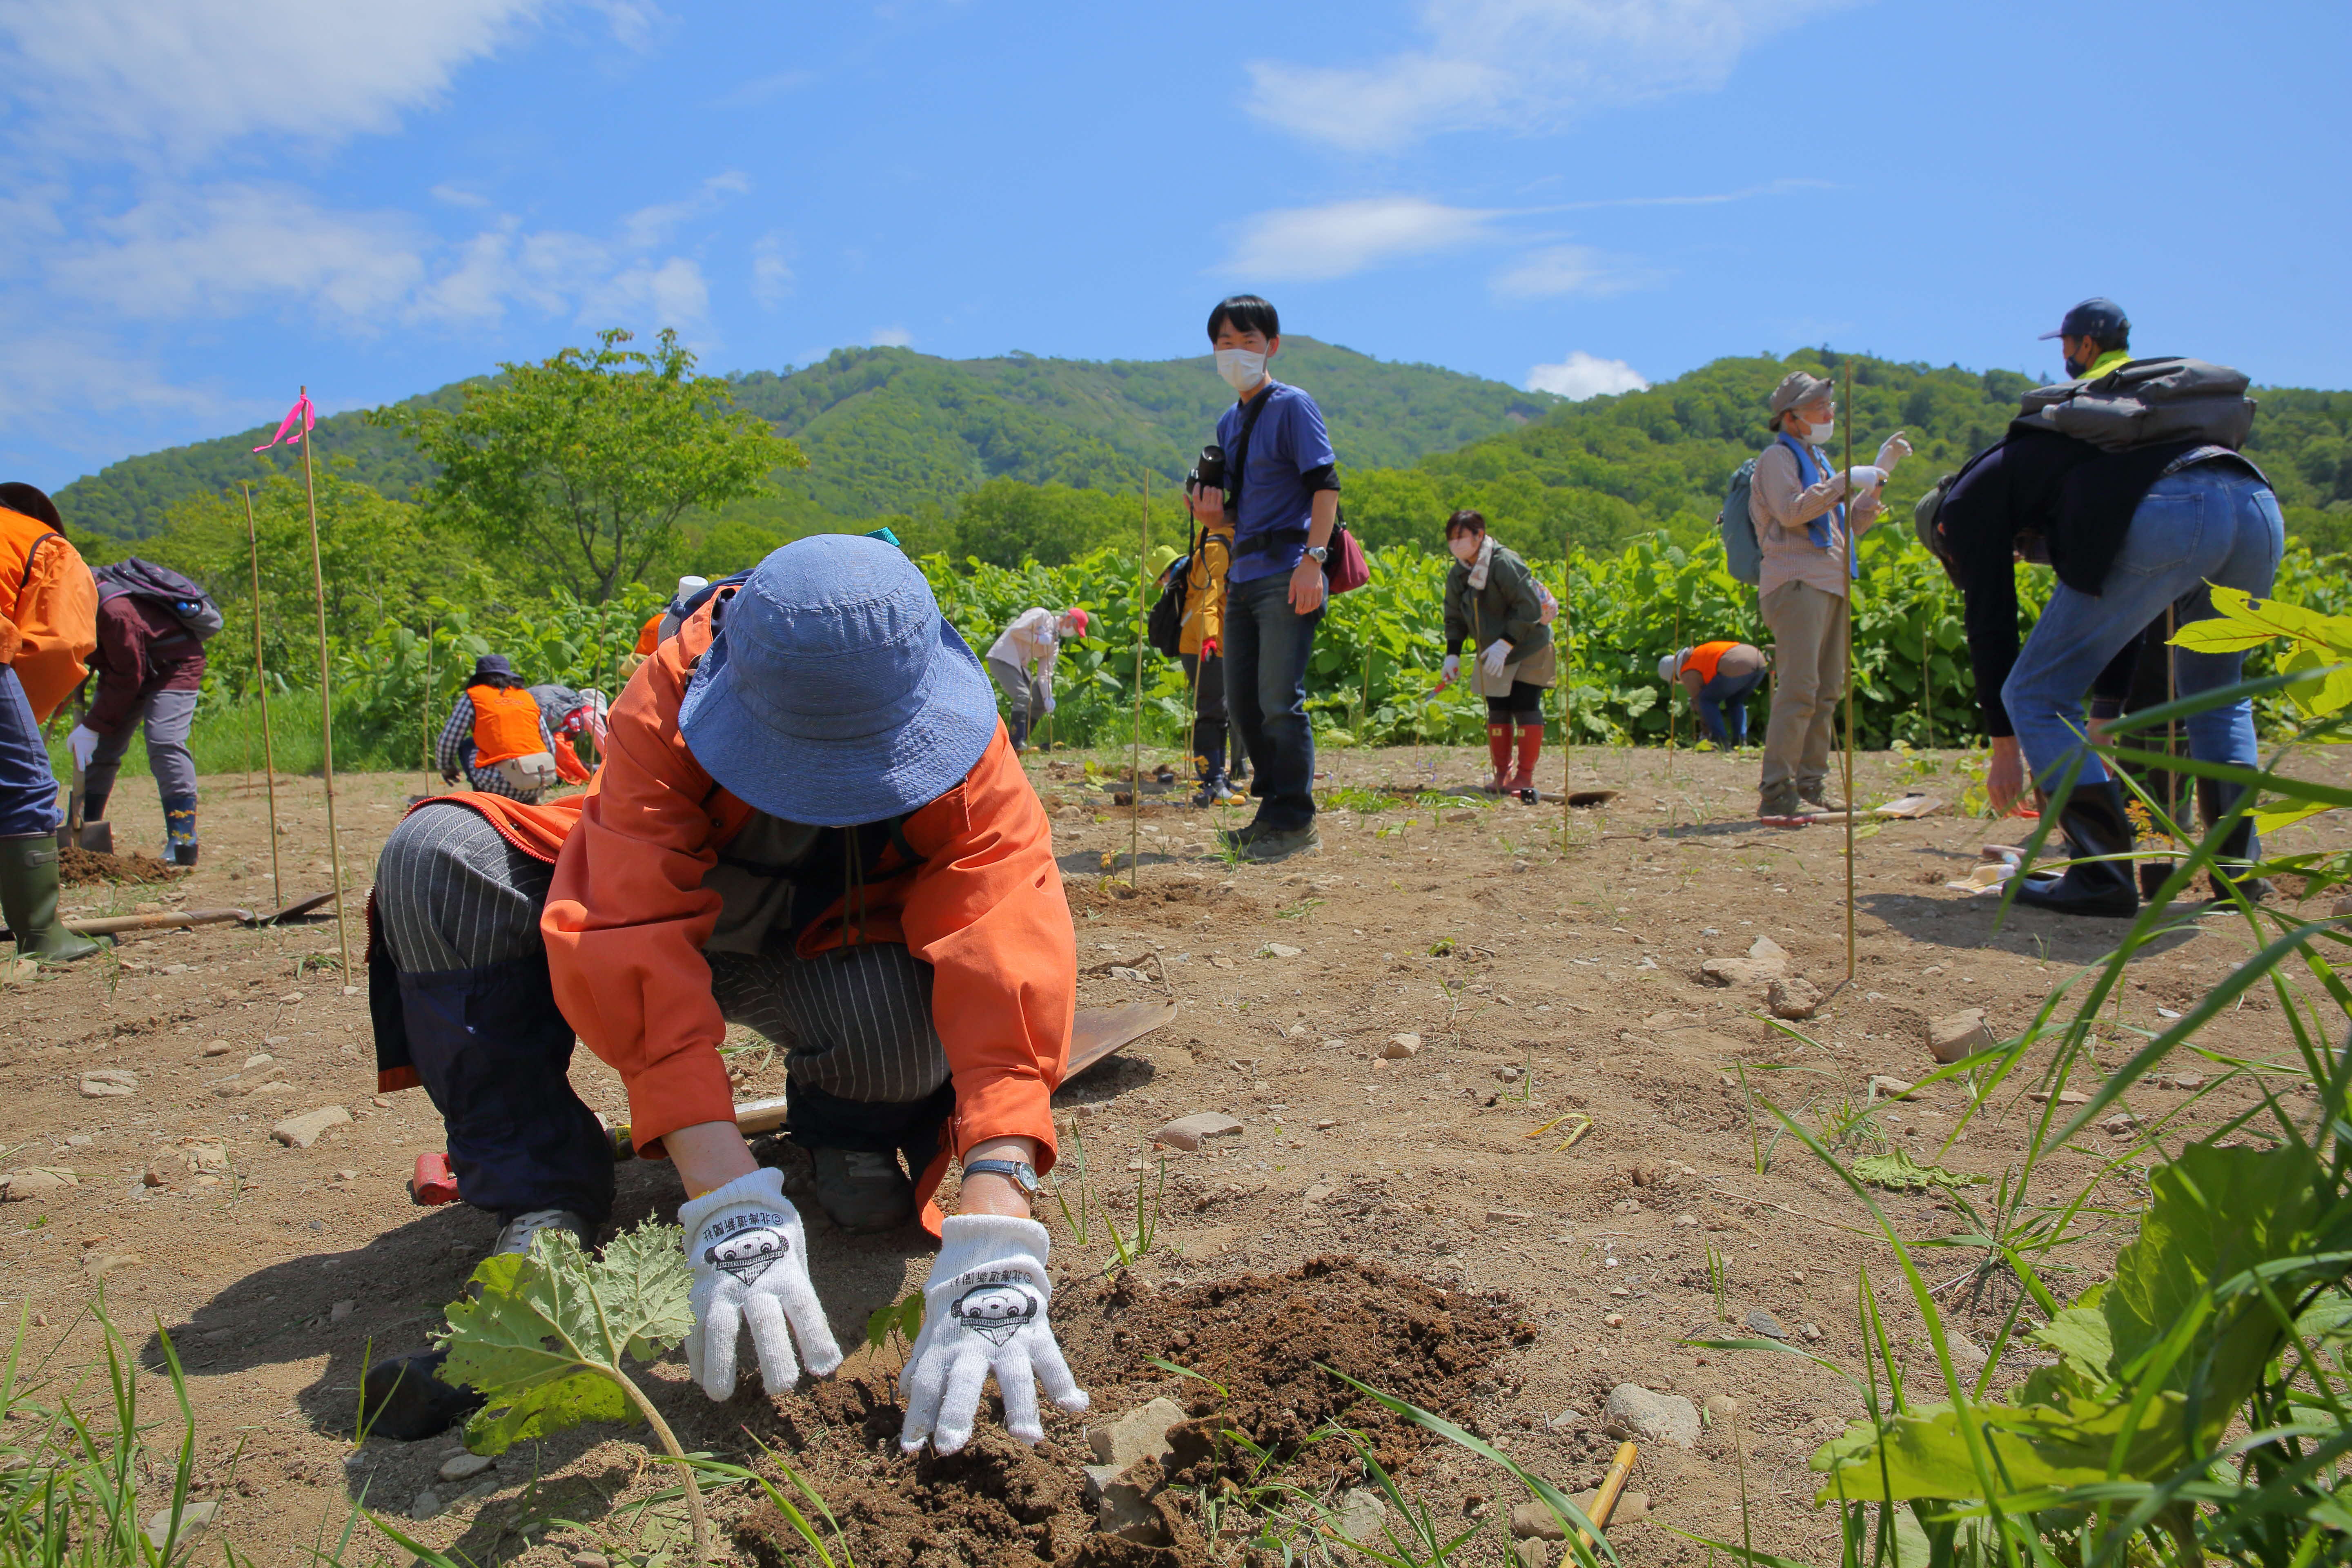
<point>489,665</point>
<point>2095,318</point>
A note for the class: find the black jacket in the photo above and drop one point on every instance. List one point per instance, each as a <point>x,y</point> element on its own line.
<point>2054,499</point>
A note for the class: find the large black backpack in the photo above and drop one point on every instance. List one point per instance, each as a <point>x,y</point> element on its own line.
<point>1165,628</point>
<point>184,597</point>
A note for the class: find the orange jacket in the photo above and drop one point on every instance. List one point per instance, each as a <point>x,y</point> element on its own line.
<point>1704,658</point>
<point>505,723</point>
<point>49,611</point>
<point>627,915</point>
<point>649,635</point>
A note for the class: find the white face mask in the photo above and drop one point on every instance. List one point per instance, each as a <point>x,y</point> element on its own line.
<point>1819,435</point>
<point>1241,368</point>
<point>1465,547</point>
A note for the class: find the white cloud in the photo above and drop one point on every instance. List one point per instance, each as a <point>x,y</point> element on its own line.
<point>181,77</point>
<point>1345,237</point>
<point>1577,270</point>
<point>771,270</point>
<point>1520,65</point>
<point>891,338</point>
<point>650,227</point>
<point>1582,376</point>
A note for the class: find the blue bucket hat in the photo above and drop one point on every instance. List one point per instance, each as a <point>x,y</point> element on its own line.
<point>835,692</point>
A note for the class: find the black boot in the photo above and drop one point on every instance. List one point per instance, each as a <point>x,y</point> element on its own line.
<point>1019,725</point>
<point>2215,799</point>
<point>2094,824</point>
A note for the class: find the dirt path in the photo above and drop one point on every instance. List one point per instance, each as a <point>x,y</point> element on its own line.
<point>1509,944</point>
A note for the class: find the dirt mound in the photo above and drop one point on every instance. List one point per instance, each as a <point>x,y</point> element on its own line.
<point>1157,897</point>
<point>1258,1337</point>
<point>77,867</point>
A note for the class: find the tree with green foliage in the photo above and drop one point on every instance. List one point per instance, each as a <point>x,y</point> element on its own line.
<point>577,468</point>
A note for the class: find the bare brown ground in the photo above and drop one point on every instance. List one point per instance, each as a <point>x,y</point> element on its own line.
<point>1506,939</point>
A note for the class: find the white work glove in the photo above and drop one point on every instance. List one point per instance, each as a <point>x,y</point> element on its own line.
<point>1861,478</point>
<point>750,1258</point>
<point>82,742</point>
<point>1453,669</point>
<point>1892,450</point>
<point>1049,702</point>
<point>984,1311</point>
<point>1498,655</point>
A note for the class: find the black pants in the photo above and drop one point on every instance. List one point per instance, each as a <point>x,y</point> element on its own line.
<point>1210,728</point>
<point>1523,705</point>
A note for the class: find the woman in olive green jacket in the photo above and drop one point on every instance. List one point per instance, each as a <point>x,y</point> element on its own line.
<point>1495,604</point>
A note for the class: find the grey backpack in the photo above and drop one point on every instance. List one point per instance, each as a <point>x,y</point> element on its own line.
<point>182,595</point>
<point>2144,401</point>
<point>1743,556</point>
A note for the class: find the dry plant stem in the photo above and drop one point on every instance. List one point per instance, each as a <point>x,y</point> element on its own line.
<point>669,1441</point>
<point>261,685</point>
<point>1846,627</point>
<point>326,710</point>
<point>1142,635</point>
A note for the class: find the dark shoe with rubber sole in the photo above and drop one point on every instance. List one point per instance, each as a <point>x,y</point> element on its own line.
<point>862,1191</point>
<point>404,1400</point>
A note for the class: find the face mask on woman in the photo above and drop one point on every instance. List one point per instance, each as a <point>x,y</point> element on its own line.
<point>1466,546</point>
<point>1819,435</point>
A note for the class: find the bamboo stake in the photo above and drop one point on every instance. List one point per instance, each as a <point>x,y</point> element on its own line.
<point>425,715</point>
<point>1928,674</point>
<point>1566,689</point>
<point>261,685</point>
<point>326,714</point>
<point>1135,758</point>
<point>1846,619</point>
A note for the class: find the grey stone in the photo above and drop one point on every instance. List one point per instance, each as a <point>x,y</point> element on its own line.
<point>590,1560</point>
<point>1098,1478</point>
<point>1530,1554</point>
<point>1536,1521</point>
<point>2122,1124</point>
<point>1637,1412</point>
<point>1278,950</point>
<point>36,1180</point>
<point>1191,1132</point>
<point>336,1314</point>
<point>1961,1035</point>
<point>1793,997</point>
<point>195,1519</point>
<point>1761,1322</point>
<point>1360,1514</point>
<point>1720,1407</point>
<point>302,1131</point>
<point>1400,1046</point>
<point>1568,1420</point>
<point>1887,1087</point>
<point>427,1505</point>
<point>1811,1331</point>
<point>465,1467</point>
<point>1138,1435</point>
<point>1125,1510</point>
<point>99,1083</point>
<point>218,1048</point>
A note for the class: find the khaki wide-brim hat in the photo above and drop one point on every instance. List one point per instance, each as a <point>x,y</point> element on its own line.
<point>1796,389</point>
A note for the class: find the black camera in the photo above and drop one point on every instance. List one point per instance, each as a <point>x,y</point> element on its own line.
<point>1209,473</point>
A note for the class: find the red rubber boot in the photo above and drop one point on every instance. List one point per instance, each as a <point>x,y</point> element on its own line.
<point>1523,782</point>
<point>1498,752</point>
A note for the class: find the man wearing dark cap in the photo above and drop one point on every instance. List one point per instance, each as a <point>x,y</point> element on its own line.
<point>2095,337</point>
<point>1800,505</point>
<point>809,821</point>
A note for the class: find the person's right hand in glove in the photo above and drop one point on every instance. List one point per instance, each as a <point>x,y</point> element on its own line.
<point>1892,450</point>
<point>1452,671</point>
<point>750,1258</point>
<point>82,744</point>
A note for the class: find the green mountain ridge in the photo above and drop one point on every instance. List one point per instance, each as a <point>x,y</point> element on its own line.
<point>890,432</point>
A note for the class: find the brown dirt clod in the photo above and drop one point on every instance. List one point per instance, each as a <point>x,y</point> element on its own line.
<point>79,867</point>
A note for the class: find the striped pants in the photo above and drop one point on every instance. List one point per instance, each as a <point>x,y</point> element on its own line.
<point>866,1065</point>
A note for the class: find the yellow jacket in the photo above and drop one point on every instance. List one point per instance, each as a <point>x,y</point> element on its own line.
<point>1205,593</point>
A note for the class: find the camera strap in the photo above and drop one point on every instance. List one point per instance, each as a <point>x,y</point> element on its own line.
<point>1236,460</point>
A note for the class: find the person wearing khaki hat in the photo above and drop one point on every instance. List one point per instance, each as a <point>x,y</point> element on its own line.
<point>1802,509</point>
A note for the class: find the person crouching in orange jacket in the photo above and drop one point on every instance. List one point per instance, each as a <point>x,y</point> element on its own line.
<point>48,627</point>
<point>810,821</point>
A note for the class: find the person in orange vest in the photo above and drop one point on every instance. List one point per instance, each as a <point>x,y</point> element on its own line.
<point>48,628</point>
<point>496,735</point>
<point>1718,676</point>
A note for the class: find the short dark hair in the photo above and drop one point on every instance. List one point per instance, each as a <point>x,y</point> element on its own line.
<point>1246,313</point>
<point>1466,519</point>
<point>18,496</point>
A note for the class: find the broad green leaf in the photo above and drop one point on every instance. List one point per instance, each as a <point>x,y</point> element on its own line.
<point>2036,1448</point>
<point>1897,1171</point>
<point>911,1315</point>
<point>544,1337</point>
<point>2219,636</point>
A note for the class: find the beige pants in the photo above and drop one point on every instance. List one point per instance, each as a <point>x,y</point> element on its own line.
<point>1809,679</point>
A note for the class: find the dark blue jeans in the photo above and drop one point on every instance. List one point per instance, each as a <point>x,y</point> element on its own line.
<point>28,790</point>
<point>1732,690</point>
<point>1267,645</point>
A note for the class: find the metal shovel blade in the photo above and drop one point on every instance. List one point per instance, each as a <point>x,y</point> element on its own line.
<point>98,836</point>
<point>295,910</point>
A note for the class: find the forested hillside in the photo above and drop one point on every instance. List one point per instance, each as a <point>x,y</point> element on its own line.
<point>892,432</point>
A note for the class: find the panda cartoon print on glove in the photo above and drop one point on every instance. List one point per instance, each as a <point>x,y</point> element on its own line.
<point>746,1244</point>
<point>994,1312</point>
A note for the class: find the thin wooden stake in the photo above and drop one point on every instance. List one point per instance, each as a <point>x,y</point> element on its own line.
<point>1928,674</point>
<point>1847,627</point>
<point>1135,759</point>
<point>424,716</point>
<point>1567,688</point>
<point>326,712</point>
<point>261,685</point>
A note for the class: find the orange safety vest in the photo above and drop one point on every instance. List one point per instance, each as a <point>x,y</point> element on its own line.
<point>505,723</point>
<point>1706,655</point>
<point>49,611</point>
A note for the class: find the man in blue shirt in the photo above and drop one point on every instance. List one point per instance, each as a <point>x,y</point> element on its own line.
<point>1282,482</point>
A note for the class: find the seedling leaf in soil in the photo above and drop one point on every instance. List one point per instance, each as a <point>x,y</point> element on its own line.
<point>1897,1171</point>
<point>903,1318</point>
<point>546,1336</point>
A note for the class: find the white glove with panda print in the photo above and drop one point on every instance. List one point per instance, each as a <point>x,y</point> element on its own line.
<point>984,1311</point>
<point>750,1258</point>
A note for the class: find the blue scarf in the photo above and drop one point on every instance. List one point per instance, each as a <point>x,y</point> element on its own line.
<point>1809,474</point>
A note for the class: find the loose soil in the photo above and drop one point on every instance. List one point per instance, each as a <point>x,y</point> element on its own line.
<point>79,867</point>
<point>1512,940</point>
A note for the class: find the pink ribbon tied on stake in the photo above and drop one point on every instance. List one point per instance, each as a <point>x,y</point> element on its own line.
<point>301,410</point>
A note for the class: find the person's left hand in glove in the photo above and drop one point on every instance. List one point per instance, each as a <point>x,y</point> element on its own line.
<point>1892,450</point>
<point>1498,655</point>
<point>984,1311</point>
<point>750,1258</point>
<point>82,743</point>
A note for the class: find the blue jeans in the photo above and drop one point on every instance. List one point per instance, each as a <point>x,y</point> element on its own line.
<point>1734,690</point>
<point>28,790</point>
<point>1267,645</point>
<point>2214,522</point>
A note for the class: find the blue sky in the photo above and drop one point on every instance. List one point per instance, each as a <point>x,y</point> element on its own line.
<point>214,200</point>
